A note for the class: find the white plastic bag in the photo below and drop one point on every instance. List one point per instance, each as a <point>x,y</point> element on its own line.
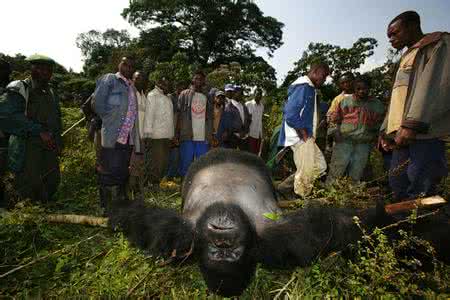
<point>310,164</point>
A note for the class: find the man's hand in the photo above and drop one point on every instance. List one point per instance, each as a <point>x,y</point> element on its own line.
<point>385,144</point>
<point>175,142</point>
<point>47,138</point>
<point>302,134</point>
<point>404,136</point>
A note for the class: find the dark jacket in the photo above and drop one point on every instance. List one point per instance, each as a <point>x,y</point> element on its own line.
<point>14,120</point>
<point>184,124</point>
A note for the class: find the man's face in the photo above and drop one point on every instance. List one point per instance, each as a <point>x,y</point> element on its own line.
<point>319,76</point>
<point>238,95</point>
<point>229,94</point>
<point>164,86</point>
<point>198,82</point>
<point>139,80</point>
<point>42,73</point>
<point>219,100</point>
<point>346,86</point>
<point>361,90</point>
<point>399,35</point>
<point>5,73</point>
<point>126,68</point>
<point>258,95</point>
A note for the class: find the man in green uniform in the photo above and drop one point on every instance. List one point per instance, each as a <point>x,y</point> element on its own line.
<point>5,72</point>
<point>30,113</point>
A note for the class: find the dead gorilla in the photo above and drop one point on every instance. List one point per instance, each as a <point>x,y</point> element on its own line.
<point>226,194</point>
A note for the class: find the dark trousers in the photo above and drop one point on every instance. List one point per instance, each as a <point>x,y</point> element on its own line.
<point>114,165</point>
<point>427,166</point>
<point>174,157</point>
<point>159,158</point>
<point>3,168</point>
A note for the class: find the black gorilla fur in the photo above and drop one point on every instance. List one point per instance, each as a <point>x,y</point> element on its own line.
<point>297,239</point>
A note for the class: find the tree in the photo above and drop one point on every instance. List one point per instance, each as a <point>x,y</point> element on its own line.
<point>210,30</point>
<point>256,74</point>
<point>341,60</point>
<point>98,48</point>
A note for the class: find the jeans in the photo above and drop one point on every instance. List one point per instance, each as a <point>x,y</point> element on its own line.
<point>427,166</point>
<point>190,150</point>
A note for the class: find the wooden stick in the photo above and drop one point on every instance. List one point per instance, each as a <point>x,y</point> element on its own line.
<point>73,126</point>
<point>413,204</point>
<point>78,219</point>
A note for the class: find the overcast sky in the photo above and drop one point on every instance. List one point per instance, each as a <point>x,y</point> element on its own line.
<point>50,27</point>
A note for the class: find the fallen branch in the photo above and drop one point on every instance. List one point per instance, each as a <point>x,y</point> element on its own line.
<point>45,257</point>
<point>78,219</point>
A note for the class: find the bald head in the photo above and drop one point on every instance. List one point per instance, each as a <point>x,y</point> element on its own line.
<point>126,67</point>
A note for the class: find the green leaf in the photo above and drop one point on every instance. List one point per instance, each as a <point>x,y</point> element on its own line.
<point>272,216</point>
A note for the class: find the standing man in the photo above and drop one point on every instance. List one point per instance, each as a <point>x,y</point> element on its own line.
<point>116,105</point>
<point>159,128</point>
<point>417,121</point>
<point>137,161</point>
<point>238,119</point>
<point>301,117</point>
<point>345,83</point>
<point>195,122</point>
<point>219,119</point>
<point>174,155</point>
<point>5,73</point>
<point>256,111</point>
<point>357,118</point>
<point>30,114</point>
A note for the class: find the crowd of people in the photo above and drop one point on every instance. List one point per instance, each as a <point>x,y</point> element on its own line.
<point>145,135</point>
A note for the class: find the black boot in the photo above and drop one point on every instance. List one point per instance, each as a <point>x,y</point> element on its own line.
<point>112,197</point>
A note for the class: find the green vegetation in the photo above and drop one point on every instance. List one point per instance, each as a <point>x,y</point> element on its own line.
<point>75,260</point>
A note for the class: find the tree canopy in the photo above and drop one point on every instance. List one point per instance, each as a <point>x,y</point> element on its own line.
<point>340,59</point>
<point>210,30</point>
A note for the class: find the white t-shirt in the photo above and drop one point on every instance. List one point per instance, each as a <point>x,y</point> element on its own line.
<point>257,113</point>
<point>198,113</point>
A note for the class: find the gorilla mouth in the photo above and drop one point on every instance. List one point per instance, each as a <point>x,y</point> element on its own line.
<point>219,255</point>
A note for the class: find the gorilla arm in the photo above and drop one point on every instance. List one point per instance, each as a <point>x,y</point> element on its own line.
<point>157,230</point>
<point>305,235</point>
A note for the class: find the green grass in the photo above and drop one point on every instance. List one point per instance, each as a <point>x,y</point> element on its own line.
<point>82,261</point>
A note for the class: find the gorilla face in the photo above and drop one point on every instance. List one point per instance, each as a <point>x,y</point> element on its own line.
<point>226,240</point>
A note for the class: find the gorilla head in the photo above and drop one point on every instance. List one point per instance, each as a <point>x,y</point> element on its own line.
<point>226,242</point>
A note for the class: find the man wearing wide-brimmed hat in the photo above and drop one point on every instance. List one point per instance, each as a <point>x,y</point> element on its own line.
<point>30,113</point>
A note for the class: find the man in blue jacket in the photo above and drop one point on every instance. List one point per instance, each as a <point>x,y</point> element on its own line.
<point>116,105</point>
<point>301,111</point>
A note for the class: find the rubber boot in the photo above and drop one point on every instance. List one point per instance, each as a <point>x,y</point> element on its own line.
<point>112,197</point>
